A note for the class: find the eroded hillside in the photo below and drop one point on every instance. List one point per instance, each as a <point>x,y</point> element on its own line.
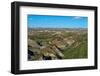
<point>47,44</point>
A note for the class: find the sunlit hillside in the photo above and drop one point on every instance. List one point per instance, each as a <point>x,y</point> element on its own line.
<point>51,44</point>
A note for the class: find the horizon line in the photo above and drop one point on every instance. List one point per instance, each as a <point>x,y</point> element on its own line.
<point>57,27</point>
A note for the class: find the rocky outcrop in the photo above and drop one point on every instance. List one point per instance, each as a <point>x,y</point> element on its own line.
<point>41,52</point>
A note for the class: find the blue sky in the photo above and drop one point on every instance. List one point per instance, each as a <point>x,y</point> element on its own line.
<point>50,21</point>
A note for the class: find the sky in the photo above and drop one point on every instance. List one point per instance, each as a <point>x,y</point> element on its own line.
<point>50,21</point>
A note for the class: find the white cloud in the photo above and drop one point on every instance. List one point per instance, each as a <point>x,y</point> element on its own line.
<point>77,17</point>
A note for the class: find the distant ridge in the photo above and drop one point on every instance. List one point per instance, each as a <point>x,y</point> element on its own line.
<point>58,29</point>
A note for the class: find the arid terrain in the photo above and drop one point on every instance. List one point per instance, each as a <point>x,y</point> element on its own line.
<point>52,44</point>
